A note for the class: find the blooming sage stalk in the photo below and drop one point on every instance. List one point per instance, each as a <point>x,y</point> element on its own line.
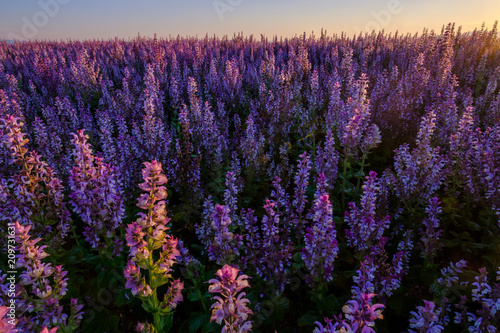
<point>231,307</point>
<point>145,236</point>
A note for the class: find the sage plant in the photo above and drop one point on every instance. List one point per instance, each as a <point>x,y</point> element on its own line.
<point>153,252</point>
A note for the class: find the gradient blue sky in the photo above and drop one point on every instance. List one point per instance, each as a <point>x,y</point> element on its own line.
<point>87,19</point>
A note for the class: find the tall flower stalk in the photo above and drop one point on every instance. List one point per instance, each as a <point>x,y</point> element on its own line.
<point>96,196</point>
<point>153,252</point>
<point>32,194</point>
<point>42,288</point>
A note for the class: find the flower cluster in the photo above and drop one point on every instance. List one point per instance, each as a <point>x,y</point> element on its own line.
<point>225,245</point>
<point>96,196</point>
<point>42,288</point>
<point>32,194</point>
<point>377,275</point>
<point>144,237</point>
<point>487,317</point>
<point>360,316</point>
<point>365,228</point>
<point>327,159</point>
<point>232,307</point>
<point>476,165</point>
<point>420,172</point>
<point>301,184</point>
<point>359,135</point>
<point>320,243</point>
<point>430,232</point>
<point>425,320</point>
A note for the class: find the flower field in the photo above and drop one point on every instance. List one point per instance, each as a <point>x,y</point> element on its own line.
<point>312,184</point>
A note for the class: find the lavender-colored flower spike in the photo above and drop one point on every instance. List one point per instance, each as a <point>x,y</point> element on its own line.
<point>419,172</point>
<point>430,231</point>
<point>321,247</point>
<point>365,229</point>
<point>301,183</point>
<point>96,196</point>
<point>425,320</point>
<point>327,160</point>
<point>225,244</point>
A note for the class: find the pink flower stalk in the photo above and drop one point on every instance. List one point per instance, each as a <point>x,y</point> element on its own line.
<point>42,287</point>
<point>7,325</point>
<point>152,249</point>
<point>31,194</point>
<point>231,307</point>
<point>144,328</point>
<point>96,196</point>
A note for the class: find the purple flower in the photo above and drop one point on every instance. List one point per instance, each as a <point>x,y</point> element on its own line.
<point>360,316</point>
<point>365,228</point>
<point>320,242</point>
<point>420,172</point>
<point>301,184</point>
<point>430,232</point>
<point>327,159</point>
<point>425,320</point>
<point>96,196</point>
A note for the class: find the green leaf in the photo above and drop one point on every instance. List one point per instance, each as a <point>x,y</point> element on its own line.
<point>212,327</point>
<point>308,318</point>
<point>194,296</point>
<point>149,306</point>
<point>166,323</point>
<point>121,298</point>
<point>196,320</point>
<point>329,305</point>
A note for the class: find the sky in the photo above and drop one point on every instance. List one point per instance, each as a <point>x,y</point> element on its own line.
<point>101,19</point>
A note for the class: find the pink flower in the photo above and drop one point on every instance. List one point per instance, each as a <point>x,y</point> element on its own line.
<point>6,324</point>
<point>231,307</point>
<point>174,293</point>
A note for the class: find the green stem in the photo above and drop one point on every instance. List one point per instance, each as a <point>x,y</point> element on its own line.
<point>154,298</point>
<point>361,170</point>
<point>201,301</point>
<point>157,318</point>
<point>76,239</point>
